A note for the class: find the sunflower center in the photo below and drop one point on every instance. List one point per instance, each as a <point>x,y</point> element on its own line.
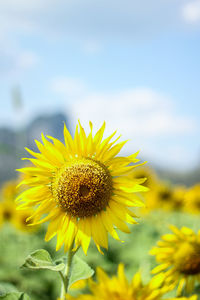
<point>7,215</point>
<point>165,195</point>
<point>188,259</point>
<point>82,187</point>
<point>25,221</point>
<point>197,202</point>
<point>84,190</point>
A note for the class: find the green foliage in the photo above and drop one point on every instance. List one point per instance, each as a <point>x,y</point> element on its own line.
<point>80,270</point>
<point>15,246</point>
<point>134,253</point>
<point>6,287</point>
<point>41,259</point>
<point>15,296</point>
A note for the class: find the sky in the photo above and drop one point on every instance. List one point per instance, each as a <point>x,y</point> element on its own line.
<point>134,64</point>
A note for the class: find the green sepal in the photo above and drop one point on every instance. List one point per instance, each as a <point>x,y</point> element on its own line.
<point>41,259</point>
<point>15,296</point>
<point>80,270</point>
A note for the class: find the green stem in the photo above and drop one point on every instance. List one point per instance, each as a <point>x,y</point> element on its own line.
<point>65,275</point>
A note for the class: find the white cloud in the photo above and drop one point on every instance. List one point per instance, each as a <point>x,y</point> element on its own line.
<point>191,12</point>
<point>143,115</point>
<point>92,47</point>
<point>70,87</point>
<point>26,59</point>
<point>15,61</point>
<point>137,112</point>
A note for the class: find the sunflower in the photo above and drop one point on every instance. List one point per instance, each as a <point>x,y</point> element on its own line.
<point>21,221</point>
<point>119,288</point>
<point>1,216</point>
<point>9,190</point>
<point>8,211</point>
<point>146,172</point>
<point>192,199</point>
<point>179,255</point>
<point>82,188</point>
<point>179,197</point>
<point>160,197</point>
<point>165,197</point>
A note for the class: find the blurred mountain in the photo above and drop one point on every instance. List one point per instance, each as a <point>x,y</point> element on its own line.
<point>49,125</point>
<point>181,178</point>
<point>12,142</point>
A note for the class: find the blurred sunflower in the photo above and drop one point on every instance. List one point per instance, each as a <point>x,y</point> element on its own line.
<point>179,197</point>
<point>148,173</point>
<point>192,199</point>
<point>8,211</point>
<point>83,189</point>
<point>1,217</point>
<point>179,255</point>
<point>160,197</point>
<point>21,221</point>
<point>118,287</point>
<point>9,190</point>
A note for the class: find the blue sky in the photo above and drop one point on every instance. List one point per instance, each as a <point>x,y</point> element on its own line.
<point>133,63</point>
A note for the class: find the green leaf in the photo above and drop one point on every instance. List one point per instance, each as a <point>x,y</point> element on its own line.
<point>6,287</point>
<point>41,259</point>
<point>14,296</point>
<point>80,270</point>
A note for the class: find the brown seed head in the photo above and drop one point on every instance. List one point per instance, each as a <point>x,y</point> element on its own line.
<point>83,187</point>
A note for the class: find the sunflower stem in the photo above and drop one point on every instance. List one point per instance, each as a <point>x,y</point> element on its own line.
<point>65,275</point>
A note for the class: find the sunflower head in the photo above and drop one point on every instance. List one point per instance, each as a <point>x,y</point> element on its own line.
<point>178,197</point>
<point>165,193</point>
<point>165,197</point>
<point>21,221</point>
<point>149,174</point>
<point>9,190</point>
<point>159,197</point>
<point>118,287</point>
<point>81,187</point>
<point>8,211</point>
<point>179,255</point>
<point>192,199</point>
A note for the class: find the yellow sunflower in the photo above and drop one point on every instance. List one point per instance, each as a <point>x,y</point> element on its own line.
<point>134,297</point>
<point>148,173</point>
<point>21,221</point>
<point>179,255</point>
<point>1,216</point>
<point>119,288</point>
<point>192,199</point>
<point>165,197</point>
<point>8,211</point>
<point>160,197</point>
<point>9,190</point>
<point>179,197</point>
<point>82,188</point>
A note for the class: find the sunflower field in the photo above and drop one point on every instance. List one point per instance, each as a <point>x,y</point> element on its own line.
<point>64,232</point>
